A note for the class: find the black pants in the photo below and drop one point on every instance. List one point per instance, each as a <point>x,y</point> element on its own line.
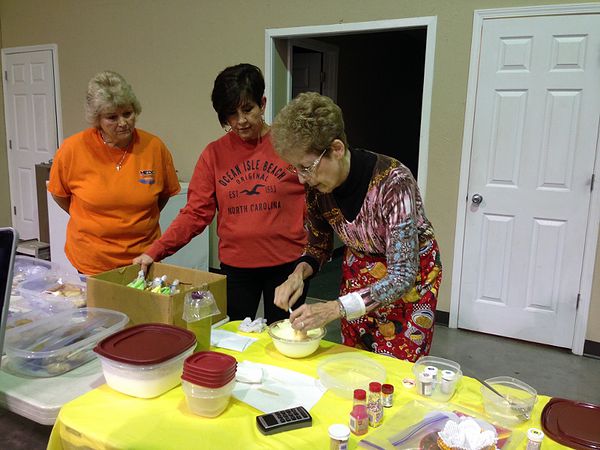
<point>245,286</point>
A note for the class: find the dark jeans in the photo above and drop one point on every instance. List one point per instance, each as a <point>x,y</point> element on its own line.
<point>245,286</point>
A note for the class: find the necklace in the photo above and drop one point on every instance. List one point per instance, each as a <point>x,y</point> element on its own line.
<point>120,163</point>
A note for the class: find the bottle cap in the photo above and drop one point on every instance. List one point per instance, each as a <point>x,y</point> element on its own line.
<point>448,375</point>
<point>387,389</point>
<point>426,377</point>
<point>432,369</point>
<point>374,386</point>
<point>360,394</point>
<point>339,432</point>
<point>535,435</point>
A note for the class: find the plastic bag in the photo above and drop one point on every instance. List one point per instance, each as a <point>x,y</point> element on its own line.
<point>417,424</point>
<point>198,308</point>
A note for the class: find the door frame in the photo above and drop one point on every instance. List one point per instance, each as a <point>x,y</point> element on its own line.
<point>272,35</point>
<point>591,236</point>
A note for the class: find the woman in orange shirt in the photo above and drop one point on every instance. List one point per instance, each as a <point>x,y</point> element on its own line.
<point>112,179</point>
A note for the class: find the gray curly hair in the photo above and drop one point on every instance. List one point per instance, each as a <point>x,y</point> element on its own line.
<point>308,124</point>
<point>107,90</point>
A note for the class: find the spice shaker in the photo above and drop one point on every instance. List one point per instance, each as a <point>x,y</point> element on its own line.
<point>387,395</point>
<point>359,418</point>
<point>425,384</point>
<point>448,380</point>
<point>375,405</point>
<point>338,437</point>
<point>534,439</point>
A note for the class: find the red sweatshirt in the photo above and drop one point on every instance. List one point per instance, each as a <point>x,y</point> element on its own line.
<point>260,205</point>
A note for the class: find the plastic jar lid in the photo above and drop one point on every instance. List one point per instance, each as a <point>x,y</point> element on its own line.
<point>374,386</point>
<point>425,377</point>
<point>210,362</point>
<point>432,370</point>
<point>536,435</point>
<point>448,375</point>
<point>339,432</point>
<point>146,344</point>
<point>387,389</point>
<point>360,394</point>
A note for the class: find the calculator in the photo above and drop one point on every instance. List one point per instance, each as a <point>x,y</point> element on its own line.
<point>284,420</point>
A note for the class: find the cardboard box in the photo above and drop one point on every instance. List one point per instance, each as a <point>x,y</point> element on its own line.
<point>109,290</point>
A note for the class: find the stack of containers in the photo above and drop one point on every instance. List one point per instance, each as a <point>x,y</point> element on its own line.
<point>208,380</point>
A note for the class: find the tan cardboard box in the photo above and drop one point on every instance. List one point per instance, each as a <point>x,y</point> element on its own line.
<point>109,290</point>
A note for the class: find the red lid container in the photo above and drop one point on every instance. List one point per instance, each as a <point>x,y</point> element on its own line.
<point>572,423</point>
<point>146,344</point>
<point>374,386</point>
<point>360,394</point>
<point>209,369</point>
<point>387,389</point>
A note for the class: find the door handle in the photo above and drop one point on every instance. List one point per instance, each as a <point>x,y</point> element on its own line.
<point>477,199</point>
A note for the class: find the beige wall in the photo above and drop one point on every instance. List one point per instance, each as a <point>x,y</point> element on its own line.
<point>171,50</point>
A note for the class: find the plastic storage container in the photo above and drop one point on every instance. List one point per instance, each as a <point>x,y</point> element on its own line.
<point>27,268</point>
<point>145,360</point>
<point>51,347</point>
<point>515,407</point>
<point>55,291</point>
<point>344,373</point>
<point>208,379</point>
<point>436,378</point>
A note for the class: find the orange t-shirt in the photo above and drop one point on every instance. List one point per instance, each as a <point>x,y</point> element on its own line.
<point>113,213</point>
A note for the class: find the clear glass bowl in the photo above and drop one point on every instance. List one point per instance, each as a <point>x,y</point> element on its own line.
<point>515,407</point>
<point>289,343</point>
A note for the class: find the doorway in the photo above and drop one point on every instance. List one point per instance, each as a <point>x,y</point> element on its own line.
<point>386,100</point>
<point>33,126</point>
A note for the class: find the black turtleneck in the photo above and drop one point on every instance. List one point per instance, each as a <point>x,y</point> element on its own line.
<point>350,195</point>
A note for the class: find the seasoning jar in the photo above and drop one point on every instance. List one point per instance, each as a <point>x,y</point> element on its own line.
<point>434,374</point>
<point>387,395</point>
<point>359,418</point>
<point>448,380</point>
<point>534,439</point>
<point>338,437</point>
<point>425,384</point>
<point>374,404</point>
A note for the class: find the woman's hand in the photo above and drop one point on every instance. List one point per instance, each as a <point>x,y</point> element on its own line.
<point>314,315</point>
<point>289,292</point>
<point>144,261</point>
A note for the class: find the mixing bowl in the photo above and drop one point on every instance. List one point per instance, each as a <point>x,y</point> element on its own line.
<point>516,403</point>
<point>292,344</point>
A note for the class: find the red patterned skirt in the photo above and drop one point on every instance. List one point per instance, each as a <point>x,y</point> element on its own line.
<point>404,328</point>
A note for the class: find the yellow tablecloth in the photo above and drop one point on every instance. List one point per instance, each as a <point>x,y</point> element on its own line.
<point>106,419</point>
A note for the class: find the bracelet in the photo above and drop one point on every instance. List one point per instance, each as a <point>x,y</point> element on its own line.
<point>342,310</point>
<point>354,305</point>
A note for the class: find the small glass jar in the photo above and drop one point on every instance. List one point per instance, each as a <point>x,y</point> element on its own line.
<point>375,405</point>
<point>448,380</point>
<point>425,384</point>
<point>359,417</point>
<point>387,395</point>
<point>534,439</point>
<point>338,437</point>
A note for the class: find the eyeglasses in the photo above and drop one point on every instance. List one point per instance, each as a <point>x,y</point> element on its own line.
<point>307,172</point>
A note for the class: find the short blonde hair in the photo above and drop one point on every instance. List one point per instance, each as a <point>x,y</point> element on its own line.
<point>108,90</point>
<point>308,124</point>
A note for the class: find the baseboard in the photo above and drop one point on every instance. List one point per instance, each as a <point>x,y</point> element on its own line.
<point>591,348</point>
<point>442,317</point>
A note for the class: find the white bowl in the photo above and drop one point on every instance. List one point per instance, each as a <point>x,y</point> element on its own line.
<point>290,344</point>
<point>207,402</point>
<point>144,381</point>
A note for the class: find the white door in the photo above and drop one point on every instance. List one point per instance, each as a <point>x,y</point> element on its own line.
<point>306,72</point>
<point>535,132</point>
<point>31,129</point>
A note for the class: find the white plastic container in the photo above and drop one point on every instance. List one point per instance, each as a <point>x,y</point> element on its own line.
<point>445,377</point>
<point>145,360</point>
<point>64,341</point>
<point>207,402</point>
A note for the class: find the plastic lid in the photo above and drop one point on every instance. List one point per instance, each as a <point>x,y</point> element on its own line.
<point>339,432</point>
<point>360,394</point>
<point>426,377</point>
<point>200,381</point>
<point>448,375</point>
<point>374,386</point>
<point>387,388</point>
<point>146,344</point>
<point>210,362</point>
<point>535,435</point>
<point>572,423</point>
<point>432,369</point>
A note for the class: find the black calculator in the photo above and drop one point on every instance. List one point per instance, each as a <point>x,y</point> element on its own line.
<point>284,420</point>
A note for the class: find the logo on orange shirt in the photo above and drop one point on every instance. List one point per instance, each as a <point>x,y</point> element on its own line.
<point>147,176</point>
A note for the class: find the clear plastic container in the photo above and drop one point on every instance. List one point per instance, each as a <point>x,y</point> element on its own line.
<point>27,268</point>
<point>62,342</point>
<point>344,373</point>
<point>515,407</point>
<point>145,360</point>
<point>207,402</point>
<point>55,291</point>
<point>445,377</point>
